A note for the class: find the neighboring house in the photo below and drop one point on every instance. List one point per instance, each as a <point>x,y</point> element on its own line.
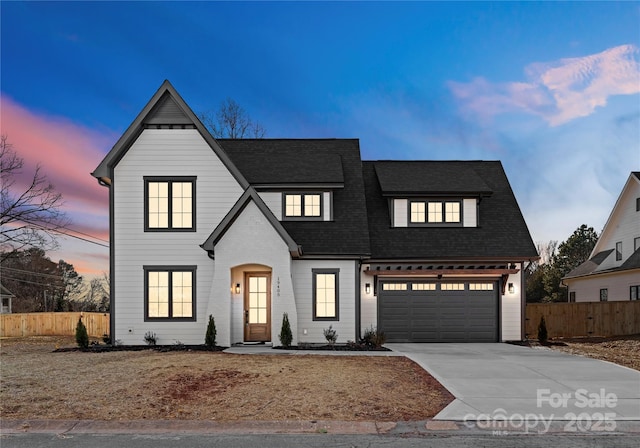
<point>246,230</point>
<point>6,297</point>
<point>613,269</point>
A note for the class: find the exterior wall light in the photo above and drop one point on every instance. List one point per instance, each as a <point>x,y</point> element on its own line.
<point>511,288</point>
<point>367,288</point>
<point>237,288</point>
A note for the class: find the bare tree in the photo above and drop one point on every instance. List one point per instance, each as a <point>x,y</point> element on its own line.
<point>95,296</point>
<point>231,121</point>
<point>30,216</point>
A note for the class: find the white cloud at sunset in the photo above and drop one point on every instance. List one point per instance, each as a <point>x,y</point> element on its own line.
<point>558,91</point>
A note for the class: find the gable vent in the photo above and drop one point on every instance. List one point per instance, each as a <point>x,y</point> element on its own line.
<point>167,111</point>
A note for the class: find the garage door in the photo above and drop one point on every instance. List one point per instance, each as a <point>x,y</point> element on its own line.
<point>452,311</point>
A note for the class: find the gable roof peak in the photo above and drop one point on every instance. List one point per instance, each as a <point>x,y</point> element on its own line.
<point>166,107</point>
<point>250,195</point>
<point>634,177</point>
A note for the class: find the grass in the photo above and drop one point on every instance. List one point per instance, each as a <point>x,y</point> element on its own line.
<point>39,384</point>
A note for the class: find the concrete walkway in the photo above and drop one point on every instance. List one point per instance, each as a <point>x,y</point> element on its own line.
<point>264,349</point>
<point>503,381</point>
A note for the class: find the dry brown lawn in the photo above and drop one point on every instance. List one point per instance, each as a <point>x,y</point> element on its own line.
<point>623,350</point>
<point>37,383</point>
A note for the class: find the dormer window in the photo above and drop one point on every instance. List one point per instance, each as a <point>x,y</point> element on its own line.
<point>303,205</point>
<point>435,212</point>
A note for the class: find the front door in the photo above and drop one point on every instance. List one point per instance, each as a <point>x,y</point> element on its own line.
<point>257,307</point>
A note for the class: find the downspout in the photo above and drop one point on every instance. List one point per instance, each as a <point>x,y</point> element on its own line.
<point>112,283</point>
<point>523,307</point>
<point>358,298</point>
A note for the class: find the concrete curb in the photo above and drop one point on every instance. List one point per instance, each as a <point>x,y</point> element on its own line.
<point>192,427</point>
<point>414,428</point>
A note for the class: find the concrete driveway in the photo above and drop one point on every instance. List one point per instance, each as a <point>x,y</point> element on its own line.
<point>503,381</point>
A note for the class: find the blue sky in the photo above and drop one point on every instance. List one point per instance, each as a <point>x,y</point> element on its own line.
<point>550,89</point>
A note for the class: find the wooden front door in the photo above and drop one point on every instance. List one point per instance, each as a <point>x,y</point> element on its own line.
<point>257,307</point>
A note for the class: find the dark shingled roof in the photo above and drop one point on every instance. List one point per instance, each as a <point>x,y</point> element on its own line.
<point>279,161</point>
<point>502,231</point>
<point>286,161</point>
<point>4,292</point>
<point>633,262</point>
<point>430,177</point>
<point>590,265</point>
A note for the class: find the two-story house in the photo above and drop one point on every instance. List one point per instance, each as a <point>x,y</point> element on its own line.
<point>246,230</point>
<point>613,269</point>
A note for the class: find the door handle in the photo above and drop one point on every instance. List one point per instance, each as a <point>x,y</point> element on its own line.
<point>246,317</point>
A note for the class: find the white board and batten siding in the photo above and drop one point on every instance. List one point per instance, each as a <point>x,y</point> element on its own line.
<point>368,302</point>
<point>327,208</point>
<point>302,272</point>
<point>511,308</point>
<point>165,152</point>
<point>469,212</point>
<point>400,211</point>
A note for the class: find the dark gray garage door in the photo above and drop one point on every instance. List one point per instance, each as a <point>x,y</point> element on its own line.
<point>451,311</point>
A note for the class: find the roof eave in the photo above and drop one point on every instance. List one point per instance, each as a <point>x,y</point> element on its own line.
<point>475,194</point>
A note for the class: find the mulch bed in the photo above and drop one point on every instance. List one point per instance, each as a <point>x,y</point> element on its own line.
<point>353,347</point>
<point>100,348</point>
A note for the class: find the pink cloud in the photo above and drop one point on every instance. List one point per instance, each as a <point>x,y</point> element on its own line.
<point>558,91</point>
<point>67,153</point>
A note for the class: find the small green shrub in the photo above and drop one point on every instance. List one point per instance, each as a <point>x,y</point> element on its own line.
<point>285,332</point>
<point>373,338</point>
<point>210,335</point>
<point>82,337</point>
<point>330,335</point>
<point>542,331</point>
<point>150,338</point>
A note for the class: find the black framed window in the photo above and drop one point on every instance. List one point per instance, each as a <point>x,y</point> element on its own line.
<point>572,296</point>
<point>636,243</point>
<point>634,292</point>
<point>619,251</point>
<point>302,205</point>
<point>170,204</point>
<point>604,295</point>
<point>325,294</point>
<point>435,212</point>
<point>170,293</point>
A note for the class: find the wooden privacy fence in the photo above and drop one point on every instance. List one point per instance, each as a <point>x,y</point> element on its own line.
<point>584,319</point>
<point>52,324</point>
